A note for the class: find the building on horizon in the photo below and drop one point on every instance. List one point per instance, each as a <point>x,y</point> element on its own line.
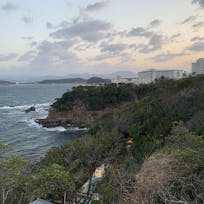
<point>149,76</point>
<point>119,79</point>
<point>198,67</point>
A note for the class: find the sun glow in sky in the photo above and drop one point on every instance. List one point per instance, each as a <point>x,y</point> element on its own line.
<point>53,37</point>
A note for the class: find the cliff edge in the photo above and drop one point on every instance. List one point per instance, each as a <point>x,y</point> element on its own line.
<point>85,105</point>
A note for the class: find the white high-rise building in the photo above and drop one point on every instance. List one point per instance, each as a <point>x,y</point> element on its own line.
<point>198,67</point>
<point>119,79</point>
<point>151,75</point>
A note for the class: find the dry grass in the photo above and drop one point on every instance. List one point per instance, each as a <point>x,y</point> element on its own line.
<point>157,171</point>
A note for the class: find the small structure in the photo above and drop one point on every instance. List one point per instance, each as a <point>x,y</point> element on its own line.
<point>40,201</point>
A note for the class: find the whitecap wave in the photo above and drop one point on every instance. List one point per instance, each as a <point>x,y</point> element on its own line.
<point>32,123</point>
<point>76,129</point>
<point>56,129</point>
<point>42,105</point>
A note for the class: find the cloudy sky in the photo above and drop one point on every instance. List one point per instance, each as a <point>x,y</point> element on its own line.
<point>59,37</point>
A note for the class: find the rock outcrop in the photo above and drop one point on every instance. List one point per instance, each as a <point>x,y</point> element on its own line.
<point>79,116</point>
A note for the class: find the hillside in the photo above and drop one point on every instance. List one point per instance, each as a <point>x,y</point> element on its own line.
<point>84,105</point>
<point>92,80</point>
<point>165,158</point>
<point>151,138</point>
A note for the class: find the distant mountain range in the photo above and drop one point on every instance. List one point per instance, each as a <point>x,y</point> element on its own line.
<point>125,74</point>
<point>6,82</point>
<point>92,80</point>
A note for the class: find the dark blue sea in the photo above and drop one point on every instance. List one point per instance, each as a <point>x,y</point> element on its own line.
<point>19,130</point>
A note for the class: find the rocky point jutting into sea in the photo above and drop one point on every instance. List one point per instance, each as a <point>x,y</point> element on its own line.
<point>80,112</point>
<point>78,117</point>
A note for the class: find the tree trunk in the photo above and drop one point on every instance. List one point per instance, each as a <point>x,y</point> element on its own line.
<point>4,195</point>
<point>65,197</point>
<point>21,198</point>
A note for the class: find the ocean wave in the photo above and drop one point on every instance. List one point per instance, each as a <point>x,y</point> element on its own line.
<point>32,123</point>
<point>42,105</point>
<point>56,129</point>
<point>76,129</point>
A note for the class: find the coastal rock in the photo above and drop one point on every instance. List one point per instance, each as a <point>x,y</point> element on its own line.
<point>79,116</point>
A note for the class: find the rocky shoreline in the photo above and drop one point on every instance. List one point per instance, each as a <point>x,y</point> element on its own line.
<point>78,116</point>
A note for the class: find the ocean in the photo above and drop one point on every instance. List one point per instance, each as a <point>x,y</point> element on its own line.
<point>19,130</point>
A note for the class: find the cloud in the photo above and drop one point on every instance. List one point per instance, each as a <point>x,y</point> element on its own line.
<point>51,57</point>
<point>27,37</point>
<point>10,56</point>
<point>189,19</point>
<point>103,56</point>
<point>49,25</point>
<point>91,31</point>
<point>33,43</point>
<point>175,36</point>
<point>155,23</point>
<point>166,57</point>
<point>198,25</point>
<point>54,52</point>
<point>96,6</point>
<point>197,46</point>
<point>155,43</point>
<point>197,39</point>
<point>10,7</point>
<point>116,48</point>
<point>140,32</point>
<point>28,56</point>
<point>27,19</point>
<point>119,55</point>
<point>200,2</point>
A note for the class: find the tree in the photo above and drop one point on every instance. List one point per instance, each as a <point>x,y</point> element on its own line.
<point>11,169</point>
<point>52,182</point>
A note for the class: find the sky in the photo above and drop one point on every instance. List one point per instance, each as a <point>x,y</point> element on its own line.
<point>60,37</point>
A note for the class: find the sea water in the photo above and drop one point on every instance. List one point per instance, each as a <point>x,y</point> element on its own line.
<point>19,129</point>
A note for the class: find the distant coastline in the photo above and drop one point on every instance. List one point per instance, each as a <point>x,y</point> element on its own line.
<point>6,82</point>
<point>92,80</point>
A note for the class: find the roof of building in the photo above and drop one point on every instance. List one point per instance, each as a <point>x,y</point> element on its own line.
<point>160,70</point>
<point>40,201</point>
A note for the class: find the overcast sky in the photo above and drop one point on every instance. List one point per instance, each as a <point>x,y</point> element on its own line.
<point>59,37</point>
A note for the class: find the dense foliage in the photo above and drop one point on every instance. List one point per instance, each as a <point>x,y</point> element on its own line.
<point>98,80</point>
<point>162,146</point>
<point>178,179</point>
<point>96,97</point>
<point>160,104</point>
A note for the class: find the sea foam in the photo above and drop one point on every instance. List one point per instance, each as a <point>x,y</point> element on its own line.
<point>24,106</point>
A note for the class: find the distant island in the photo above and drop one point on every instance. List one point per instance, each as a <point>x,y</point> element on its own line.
<point>6,82</point>
<point>92,80</point>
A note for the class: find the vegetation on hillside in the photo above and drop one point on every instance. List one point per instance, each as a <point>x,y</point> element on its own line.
<point>92,80</point>
<point>96,97</point>
<point>98,80</point>
<point>63,81</point>
<point>164,164</point>
<point>172,174</point>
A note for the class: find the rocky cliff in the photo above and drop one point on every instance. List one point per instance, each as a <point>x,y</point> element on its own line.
<point>79,116</point>
<point>85,105</point>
